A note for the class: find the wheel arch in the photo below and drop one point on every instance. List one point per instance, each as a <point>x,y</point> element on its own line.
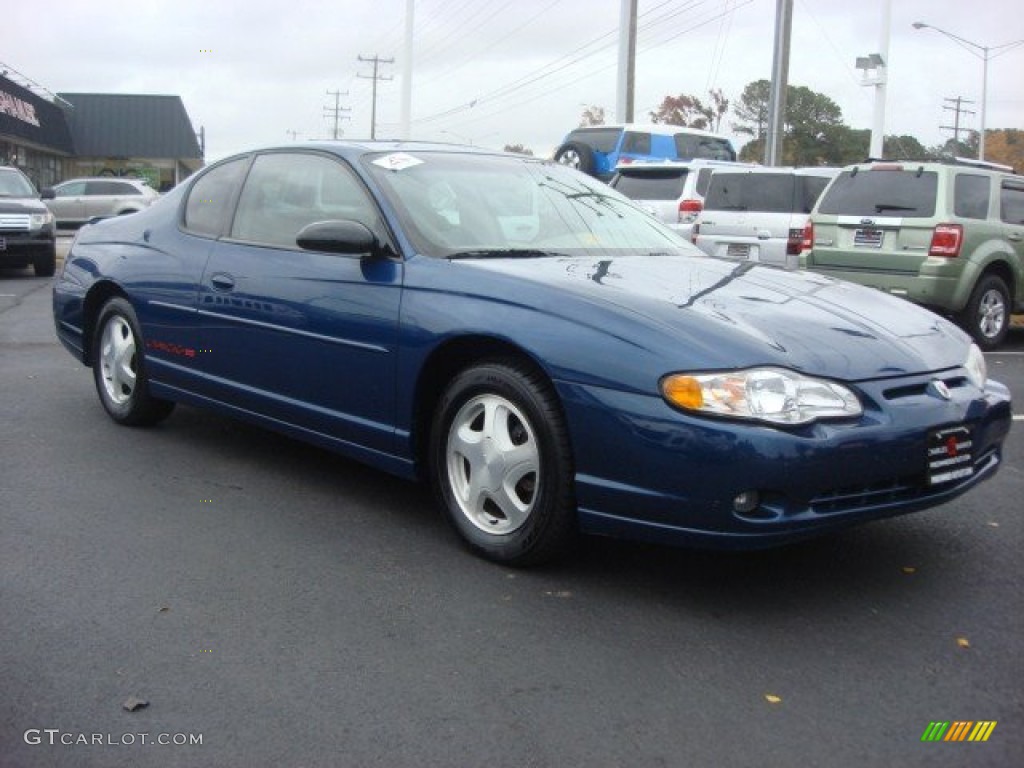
<point>442,365</point>
<point>98,295</point>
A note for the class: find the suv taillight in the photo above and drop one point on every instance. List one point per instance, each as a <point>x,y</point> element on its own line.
<point>800,240</point>
<point>688,210</point>
<point>946,240</point>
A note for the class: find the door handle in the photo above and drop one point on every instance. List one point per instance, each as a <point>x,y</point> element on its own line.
<point>222,282</point>
<point>1015,236</point>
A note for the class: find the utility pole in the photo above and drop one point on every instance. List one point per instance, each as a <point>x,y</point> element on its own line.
<point>376,61</point>
<point>405,118</point>
<point>336,111</point>
<point>955,127</point>
<point>627,62</point>
<point>780,82</point>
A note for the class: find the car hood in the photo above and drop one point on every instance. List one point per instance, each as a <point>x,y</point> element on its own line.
<point>723,314</point>
<point>21,205</point>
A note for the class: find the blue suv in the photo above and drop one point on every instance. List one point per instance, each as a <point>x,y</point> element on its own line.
<point>596,150</point>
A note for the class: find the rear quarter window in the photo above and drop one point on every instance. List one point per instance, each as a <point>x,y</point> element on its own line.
<point>650,186</point>
<point>809,189</point>
<point>882,193</point>
<point>599,139</point>
<point>1011,204</point>
<point>767,192</point>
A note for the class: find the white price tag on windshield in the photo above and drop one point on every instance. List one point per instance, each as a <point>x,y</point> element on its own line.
<point>397,161</point>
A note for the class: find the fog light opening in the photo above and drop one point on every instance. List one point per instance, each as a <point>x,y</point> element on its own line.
<point>746,502</point>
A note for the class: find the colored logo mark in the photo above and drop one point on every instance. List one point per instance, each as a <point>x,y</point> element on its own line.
<point>959,730</point>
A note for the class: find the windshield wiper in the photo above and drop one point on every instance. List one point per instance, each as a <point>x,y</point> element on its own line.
<point>884,207</point>
<point>504,253</point>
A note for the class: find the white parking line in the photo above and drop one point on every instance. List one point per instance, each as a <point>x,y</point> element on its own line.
<point>1018,417</point>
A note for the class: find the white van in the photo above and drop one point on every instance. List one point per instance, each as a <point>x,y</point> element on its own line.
<point>760,214</point>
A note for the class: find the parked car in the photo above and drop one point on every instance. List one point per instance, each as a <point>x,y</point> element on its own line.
<point>759,214</point>
<point>671,190</point>
<point>76,201</point>
<point>550,357</point>
<point>597,150</point>
<point>27,232</point>
<point>949,236</point>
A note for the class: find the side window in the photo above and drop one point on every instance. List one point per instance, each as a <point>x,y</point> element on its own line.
<point>1011,204</point>
<point>971,196</point>
<point>284,192</point>
<point>636,143</point>
<point>72,189</point>
<point>103,188</point>
<point>207,211</point>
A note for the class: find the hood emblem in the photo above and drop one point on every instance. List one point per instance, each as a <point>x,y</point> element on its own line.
<point>939,389</point>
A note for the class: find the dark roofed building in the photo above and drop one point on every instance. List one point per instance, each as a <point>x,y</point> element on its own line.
<point>34,135</point>
<point>132,134</point>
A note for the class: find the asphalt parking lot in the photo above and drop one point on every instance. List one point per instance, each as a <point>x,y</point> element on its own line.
<point>291,608</point>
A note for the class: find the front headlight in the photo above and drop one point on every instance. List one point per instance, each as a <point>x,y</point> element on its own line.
<point>40,220</point>
<point>977,368</point>
<point>773,395</point>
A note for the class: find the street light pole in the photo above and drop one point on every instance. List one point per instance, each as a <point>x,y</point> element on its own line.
<point>986,54</point>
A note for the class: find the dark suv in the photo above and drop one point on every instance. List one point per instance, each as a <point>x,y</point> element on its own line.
<point>949,236</point>
<point>27,232</point>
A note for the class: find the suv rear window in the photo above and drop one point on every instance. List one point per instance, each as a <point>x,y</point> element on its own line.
<point>690,147</point>
<point>768,192</point>
<point>651,185</point>
<point>910,194</point>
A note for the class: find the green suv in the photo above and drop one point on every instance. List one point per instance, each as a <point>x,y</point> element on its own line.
<point>949,236</point>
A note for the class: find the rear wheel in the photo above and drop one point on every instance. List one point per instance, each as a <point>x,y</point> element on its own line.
<point>987,314</point>
<point>119,368</point>
<point>501,463</point>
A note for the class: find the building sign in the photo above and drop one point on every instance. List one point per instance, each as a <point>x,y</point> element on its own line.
<point>15,107</point>
<point>27,117</point>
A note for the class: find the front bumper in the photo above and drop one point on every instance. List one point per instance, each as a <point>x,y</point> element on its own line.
<point>20,248</point>
<point>672,478</point>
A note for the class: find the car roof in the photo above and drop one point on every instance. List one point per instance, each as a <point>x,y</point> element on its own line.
<point>353,148</point>
<point>934,165</point>
<point>662,129</point>
<point>106,178</point>
<point>686,165</point>
<point>812,170</point>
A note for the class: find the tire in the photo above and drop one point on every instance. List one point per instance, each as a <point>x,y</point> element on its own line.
<point>119,368</point>
<point>576,155</point>
<point>501,464</point>
<point>987,314</point>
<point>46,264</point>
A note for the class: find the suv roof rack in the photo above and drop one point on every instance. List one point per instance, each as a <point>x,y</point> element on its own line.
<point>983,164</point>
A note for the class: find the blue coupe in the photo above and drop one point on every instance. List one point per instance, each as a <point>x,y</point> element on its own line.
<point>547,355</point>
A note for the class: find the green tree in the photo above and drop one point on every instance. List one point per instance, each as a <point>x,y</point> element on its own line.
<point>752,110</point>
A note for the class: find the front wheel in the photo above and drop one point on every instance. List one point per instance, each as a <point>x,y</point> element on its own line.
<point>501,463</point>
<point>987,315</point>
<point>119,368</point>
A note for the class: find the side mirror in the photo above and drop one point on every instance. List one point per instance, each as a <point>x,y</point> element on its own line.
<point>341,236</point>
<point>48,193</point>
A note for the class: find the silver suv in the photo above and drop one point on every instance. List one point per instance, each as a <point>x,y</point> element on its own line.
<point>672,191</point>
<point>76,201</point>
<point>949,236</point>
<point>759,214</point>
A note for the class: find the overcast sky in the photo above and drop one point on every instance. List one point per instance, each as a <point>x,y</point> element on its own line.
<point>498,72</point>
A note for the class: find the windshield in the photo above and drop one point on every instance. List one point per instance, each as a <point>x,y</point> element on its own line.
<point>14,184</point>
<point>478,206</point>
